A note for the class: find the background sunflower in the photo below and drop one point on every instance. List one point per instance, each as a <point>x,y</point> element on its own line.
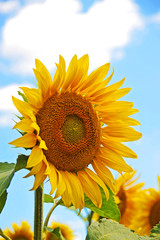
<point>148,214</point>
<point>67,233</point>
<point>127,193</point>
<point>22,232</point>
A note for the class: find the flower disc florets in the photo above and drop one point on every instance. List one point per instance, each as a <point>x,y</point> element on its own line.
<point>70,127</point>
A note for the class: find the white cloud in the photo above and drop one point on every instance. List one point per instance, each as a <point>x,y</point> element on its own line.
<point>6,120</point>
<point>6,94</point>
<point>9,6</point>
<point>155,18</point>
<point>54,27</point>
<point>7,108</point>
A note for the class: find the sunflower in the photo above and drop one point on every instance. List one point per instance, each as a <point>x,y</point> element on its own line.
<point>22,232</point>
<point>126,197</point>
<point>149,211</point>
<point>67,233</point>
<point>71,122</point>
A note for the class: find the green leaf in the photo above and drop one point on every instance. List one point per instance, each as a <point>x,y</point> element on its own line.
<point>155,232</point>
<point>23,96</point>
<point>48,198</point>
<point>3,199</point>
<point>107,229</point>
<point>56,232</point>
<point>21,162</point>
<point>6,175</point>
<point>7,171</point>
<point>108,209</point>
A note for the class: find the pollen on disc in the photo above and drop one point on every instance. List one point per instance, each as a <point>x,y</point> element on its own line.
<point>73,129</point>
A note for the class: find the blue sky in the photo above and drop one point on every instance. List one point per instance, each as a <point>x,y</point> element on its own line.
<point>124,32</point>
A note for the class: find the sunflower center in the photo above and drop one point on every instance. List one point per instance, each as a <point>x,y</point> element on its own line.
<point>71,130</point>
<point>154,217</point>
<point>122,197</point>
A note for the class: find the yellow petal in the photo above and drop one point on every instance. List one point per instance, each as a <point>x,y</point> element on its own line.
<point>120,134</point>
<point>115,86</point>
<point>94,78</point>
<point>98,88</point>
<point>33,96</point>
<point>67,196</point>
<point>35,157</point>
<point>44,72</point>
<point>111,107</point>
<point>82,71</point>
<point>24,125</point>
<point>114,161</point>
<point>27,141</point>
<point>118,114</point>
<point>110,96</point>
<point>70,74</point>
<point>35,169</point>
<point>43,85</point>
<point>59,75</point>
<point>90,188</point>
<point>48,170</point>
<point>104,173</point>
<point>77,191</point>
<point>98,180</point>
<point>115,121</point>
<point>35,126</point>
<point>135,188</point>
<point>119,148</point>
<point>61,184</point>
<point>42,144</point>
<point>39,178</point>
<point>53,178</point>
<point>24,108</point>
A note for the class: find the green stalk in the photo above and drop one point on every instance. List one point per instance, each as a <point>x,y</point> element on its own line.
<point>50,212</point>
<point>38,213</point>
<point>3,235</point>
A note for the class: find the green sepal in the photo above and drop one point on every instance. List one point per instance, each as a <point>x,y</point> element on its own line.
<point>23,96</point>
<point>48,198</point>
<point>57,234</point>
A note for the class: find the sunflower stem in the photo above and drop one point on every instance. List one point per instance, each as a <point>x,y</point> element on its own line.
<point>38,213</point>
<point>4,235</point>
<point>56,203</point>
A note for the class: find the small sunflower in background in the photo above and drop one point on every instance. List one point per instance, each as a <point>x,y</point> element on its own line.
<point>67,233</point>
<point>72,121</point>
<point>22,232</point>
<point>149,211</point>
<point>126,197</point>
